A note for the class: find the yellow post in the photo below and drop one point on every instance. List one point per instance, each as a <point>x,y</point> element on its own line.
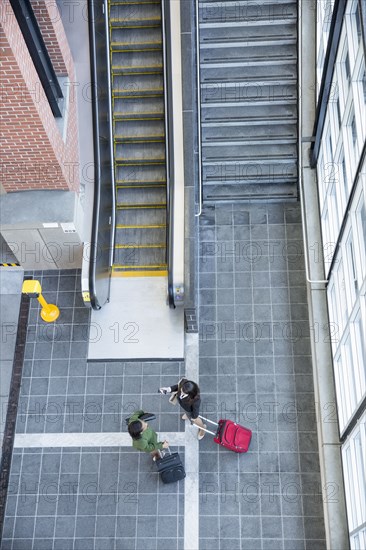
<point>33,289</point>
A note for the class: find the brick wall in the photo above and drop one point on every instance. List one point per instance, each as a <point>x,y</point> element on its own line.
<point>33,154</point>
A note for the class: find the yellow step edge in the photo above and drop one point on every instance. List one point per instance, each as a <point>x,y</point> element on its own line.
<point>129,246</point>
<point>142,139</point>
<point>156,91</point>
<point>156,226</point>
<point>127,96</point>
<point>142,186</point>
<point>152,266</point>
<point>133,3</point>
<point>119,20</point>
<point>136,206</point>
<point>122,67</point>
<point>151,162</point>
<point>124,44</point>
<point>153,26</point>
<point>162,273</point>
<point>147,116</point>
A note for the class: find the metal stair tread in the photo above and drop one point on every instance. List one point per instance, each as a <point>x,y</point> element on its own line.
<point>241,24</point>
<point>139,206</point>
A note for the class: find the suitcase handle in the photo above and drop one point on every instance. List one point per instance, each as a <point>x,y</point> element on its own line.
<point>204,429</point>
<point>208,420</point>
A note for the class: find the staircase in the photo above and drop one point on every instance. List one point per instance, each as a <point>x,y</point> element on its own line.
<point>248,71</point>
<point>139,137</point>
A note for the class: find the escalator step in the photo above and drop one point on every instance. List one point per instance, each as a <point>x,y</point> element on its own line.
<point>122,206</point>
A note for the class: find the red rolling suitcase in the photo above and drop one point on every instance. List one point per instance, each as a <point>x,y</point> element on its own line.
<point>230,435</point>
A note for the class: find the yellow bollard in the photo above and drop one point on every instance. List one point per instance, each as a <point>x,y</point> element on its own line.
<point>33,289</point>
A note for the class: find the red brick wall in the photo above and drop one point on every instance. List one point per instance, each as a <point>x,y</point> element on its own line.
<point>33,154</point>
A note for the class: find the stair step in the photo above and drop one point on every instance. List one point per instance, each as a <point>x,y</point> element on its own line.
<point>248,54</point>
<point>126,39</point>
<point>233,152</point>
<point>137,59</point>
<point>241,73</point>
<point>248,12</point>
<point>237,113</point>
<point>247,134</point>
<point>139,108</point>
<point>244,33</point>
<point>141,174</point>
<point>139,271</point>
<point>140,152</point>
<point>140,235</point>
<point>131,15</point>
<point>250,171</point>
<point>135,256</point>
<point>140,216</point>
<point>136,196</point>
<point>139,129</point>
<point>262,191</point>
<point>249,93</point>
<point>145,85</point>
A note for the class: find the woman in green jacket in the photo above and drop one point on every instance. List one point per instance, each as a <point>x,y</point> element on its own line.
<point>144,438</point>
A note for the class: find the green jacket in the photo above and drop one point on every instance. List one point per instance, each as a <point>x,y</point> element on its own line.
<point>149,439</point>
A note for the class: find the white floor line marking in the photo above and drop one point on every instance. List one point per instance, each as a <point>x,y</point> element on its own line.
<point>104,439</point>
<point>191,482</point>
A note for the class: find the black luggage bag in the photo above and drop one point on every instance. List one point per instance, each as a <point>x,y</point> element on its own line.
<point>170,468</point>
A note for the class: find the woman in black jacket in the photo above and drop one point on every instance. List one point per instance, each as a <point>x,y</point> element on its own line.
<point>188,397</point>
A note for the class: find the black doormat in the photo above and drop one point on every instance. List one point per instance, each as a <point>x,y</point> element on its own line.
<point>11,415</point>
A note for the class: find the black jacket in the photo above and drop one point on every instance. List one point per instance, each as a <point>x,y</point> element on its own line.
<point>191,406</point>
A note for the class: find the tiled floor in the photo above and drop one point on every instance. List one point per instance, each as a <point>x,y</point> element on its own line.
<point>254,367</point>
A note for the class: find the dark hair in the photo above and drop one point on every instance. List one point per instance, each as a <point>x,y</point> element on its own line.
<point>191,389</point>
<point>135,429</point>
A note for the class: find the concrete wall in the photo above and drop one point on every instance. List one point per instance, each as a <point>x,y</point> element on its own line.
<point>335,515</point>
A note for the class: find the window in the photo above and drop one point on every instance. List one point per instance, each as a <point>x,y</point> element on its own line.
<point>360,231</point>
<point>358,22</point>
<point>353,458</point>
<point>347,68</point>
<point>354,131</point>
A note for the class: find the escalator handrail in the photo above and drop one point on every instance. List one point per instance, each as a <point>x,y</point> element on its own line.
<point>95,302</point>
<point>169,151</point>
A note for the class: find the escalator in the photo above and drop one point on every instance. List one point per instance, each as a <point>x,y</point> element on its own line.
<point>138,110</point>
<point>135,268</point>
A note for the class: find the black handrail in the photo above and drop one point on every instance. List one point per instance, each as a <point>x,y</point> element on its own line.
<point>103,226</point>
<point>169,150</point>
<point>29,27</point>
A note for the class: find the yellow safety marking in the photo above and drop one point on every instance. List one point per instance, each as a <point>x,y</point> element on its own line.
<point>132,162</point>
<point>133,3</point>
<point>163,273</point>
<point>9,265</point>
<point>126,26</point>
<point>123,246</point>
<point>142,186</point>
<point>86,296</point>
<point>136,206</point>
<point>155,266</point>
<point>149,93</point>
<point>153,18</point>
<point>142,139</point>
<point>116,45</point>
<point>138,117</point>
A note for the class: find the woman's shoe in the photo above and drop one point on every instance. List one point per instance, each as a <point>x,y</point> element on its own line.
<point>184,417</point>
<point>201,433</point>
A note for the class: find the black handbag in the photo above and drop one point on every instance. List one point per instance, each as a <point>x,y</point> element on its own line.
<point>145,416</point>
